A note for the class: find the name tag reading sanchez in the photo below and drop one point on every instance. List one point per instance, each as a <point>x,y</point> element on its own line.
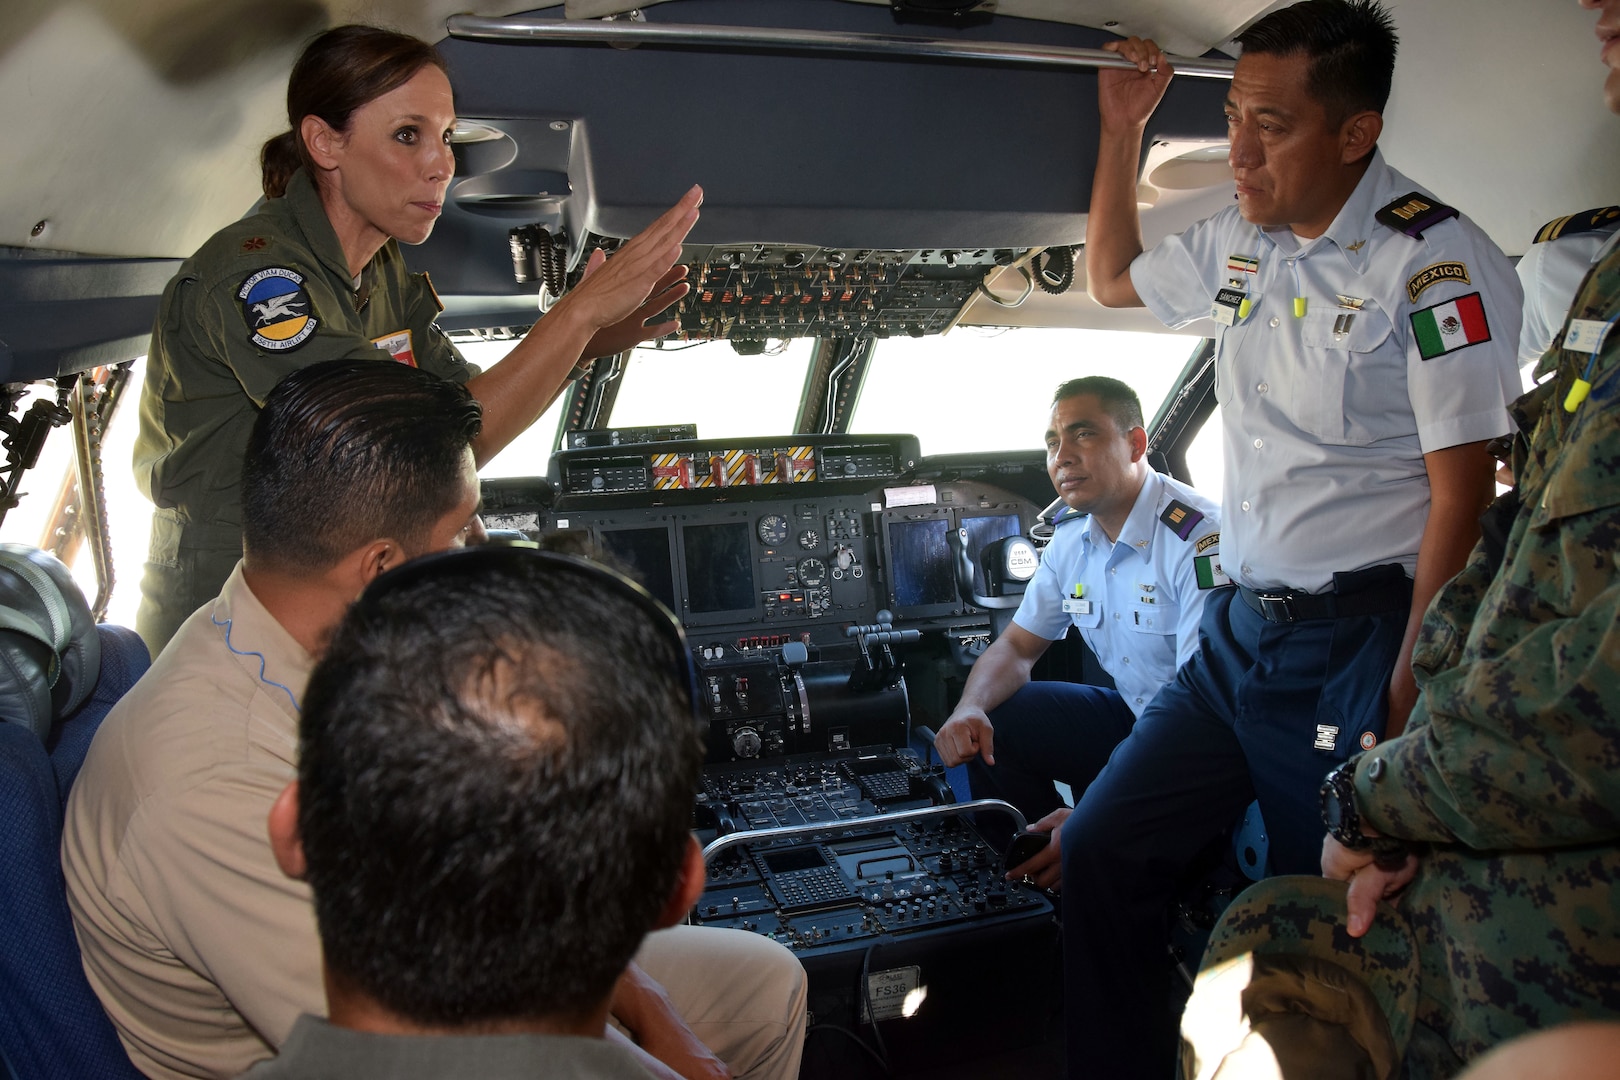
<point>1224,309</point>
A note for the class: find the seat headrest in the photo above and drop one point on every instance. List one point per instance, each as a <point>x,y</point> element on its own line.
<point>50,654</point>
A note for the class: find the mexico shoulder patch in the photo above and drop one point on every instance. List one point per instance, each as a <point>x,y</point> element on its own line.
<point>279,313</point>
<point>1433,275</point>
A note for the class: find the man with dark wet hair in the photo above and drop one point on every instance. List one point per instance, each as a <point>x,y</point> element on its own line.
<point>491,817</point>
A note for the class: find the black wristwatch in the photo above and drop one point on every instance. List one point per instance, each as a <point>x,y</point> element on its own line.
<point>1339,808</point>
<point>1343,821</point>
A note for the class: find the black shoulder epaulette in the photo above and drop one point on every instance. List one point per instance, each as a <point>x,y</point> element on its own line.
<point>1412,213</point>
<point>1604,218</point>
<point>1181,518</point>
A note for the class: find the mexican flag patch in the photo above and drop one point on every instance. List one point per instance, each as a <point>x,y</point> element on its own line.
<point>1447,327</point>
<point>1207,569</point>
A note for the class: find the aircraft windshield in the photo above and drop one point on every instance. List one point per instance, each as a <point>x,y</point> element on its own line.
<point>974,389</point>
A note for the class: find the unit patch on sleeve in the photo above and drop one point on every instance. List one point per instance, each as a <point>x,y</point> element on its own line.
<point>1455,324</point>
<point>1181,518</point>
<point>1412,213</point>
<point>397,345</point>
<point>279,314</point>
<point>1433,275</point>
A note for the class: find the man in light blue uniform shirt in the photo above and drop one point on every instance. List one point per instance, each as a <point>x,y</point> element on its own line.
<point>1564,251</point>
<point>1368,354</point>
<point>1133,555</point>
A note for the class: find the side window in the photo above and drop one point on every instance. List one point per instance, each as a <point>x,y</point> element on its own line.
<point>129,515</point>
<point>1204,459</point>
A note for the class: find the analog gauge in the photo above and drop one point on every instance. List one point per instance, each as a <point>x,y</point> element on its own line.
<point>809,539</point>
<point>773,530</point>
<point>812,572</point>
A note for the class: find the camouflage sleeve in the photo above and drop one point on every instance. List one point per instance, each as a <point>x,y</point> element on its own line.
<point>1519,748</point>
<point>1445,624</point>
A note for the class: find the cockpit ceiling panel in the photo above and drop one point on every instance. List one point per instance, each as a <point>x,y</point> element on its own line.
<point>1190,29</point>
<point>811,150</point>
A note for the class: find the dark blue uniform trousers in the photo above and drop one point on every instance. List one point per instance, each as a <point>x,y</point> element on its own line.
<point>1049,731</point>
<point>1239,722</point>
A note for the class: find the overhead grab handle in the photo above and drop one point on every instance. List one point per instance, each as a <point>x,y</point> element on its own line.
<point>530,30</point>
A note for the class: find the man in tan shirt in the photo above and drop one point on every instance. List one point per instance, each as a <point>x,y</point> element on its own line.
<point>202,952</point>
<point>518,656</point>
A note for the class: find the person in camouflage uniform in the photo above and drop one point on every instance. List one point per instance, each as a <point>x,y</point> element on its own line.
<point>1507,779</point>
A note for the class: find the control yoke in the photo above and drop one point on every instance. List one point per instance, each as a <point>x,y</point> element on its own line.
<point>1006,564</point>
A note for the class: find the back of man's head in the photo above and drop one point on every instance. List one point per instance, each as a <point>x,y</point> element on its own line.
<point>497,759</point>
<point>1351,45</point>
<point>347,451</point>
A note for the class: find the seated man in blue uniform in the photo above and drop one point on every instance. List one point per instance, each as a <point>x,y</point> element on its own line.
<point>1133,554</point>
<point>1366,356</point>
<point>469,732</point>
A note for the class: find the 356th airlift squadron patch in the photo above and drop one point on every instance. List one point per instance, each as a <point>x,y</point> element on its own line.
<point>277,308</point>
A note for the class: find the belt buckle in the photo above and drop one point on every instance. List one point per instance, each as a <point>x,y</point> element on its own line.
<point>1276,607</point>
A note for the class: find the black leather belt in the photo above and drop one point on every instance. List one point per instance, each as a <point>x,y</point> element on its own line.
<point>1366,592</point>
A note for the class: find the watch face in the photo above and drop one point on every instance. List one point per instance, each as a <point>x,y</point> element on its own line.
<point>1335,789</point>
<point>1332,808</point>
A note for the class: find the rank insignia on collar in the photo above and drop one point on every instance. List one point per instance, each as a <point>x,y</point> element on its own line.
<point>254,243</point>
<point>1357,246</point>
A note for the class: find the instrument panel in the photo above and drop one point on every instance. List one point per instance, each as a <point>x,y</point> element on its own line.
<point>799,542</point>
<point>801,587</point>
<point>849,877</point>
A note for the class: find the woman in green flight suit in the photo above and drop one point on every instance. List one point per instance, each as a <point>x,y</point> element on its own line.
<point>317,274</point>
